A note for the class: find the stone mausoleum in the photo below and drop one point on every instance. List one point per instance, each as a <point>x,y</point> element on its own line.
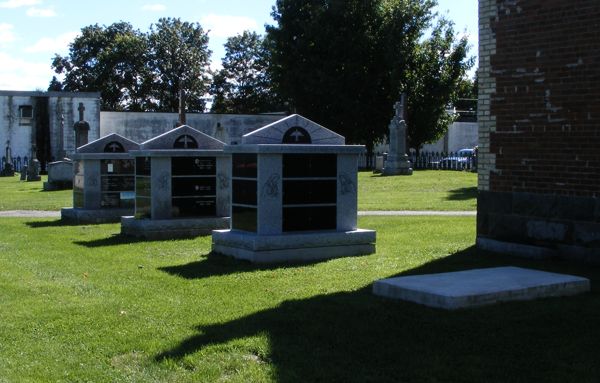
<point>294,195</point>
<point>181,184</point>
<point>103,181</point>
<point>45,121</point>
<point>539,128</point>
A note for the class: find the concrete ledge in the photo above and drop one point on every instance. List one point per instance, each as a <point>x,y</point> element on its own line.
<point>83,216</point>
<point>479,287</point>
<point>293,247</point>
<point>515,249</point>
<point>171,228</point>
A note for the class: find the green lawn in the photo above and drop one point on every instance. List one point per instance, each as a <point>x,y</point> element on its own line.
<point>424,190</point>
<point>81,303</point>
<point>21,195</point>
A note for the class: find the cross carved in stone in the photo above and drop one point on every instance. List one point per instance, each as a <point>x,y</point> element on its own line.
<point>81,109</point>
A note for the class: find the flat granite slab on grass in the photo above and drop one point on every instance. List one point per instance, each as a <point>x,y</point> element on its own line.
<point>479,287</point>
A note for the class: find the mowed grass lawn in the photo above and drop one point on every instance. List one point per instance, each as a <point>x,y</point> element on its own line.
<point>22,195</point>
<point>81,303</point>
<point>424,190</point>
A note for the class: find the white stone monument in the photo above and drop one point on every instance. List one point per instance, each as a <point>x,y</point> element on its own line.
<point>397,162</point>
<point>294,196</point>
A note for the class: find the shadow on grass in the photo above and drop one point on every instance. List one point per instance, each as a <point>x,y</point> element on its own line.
<point>216,265</point>
<point>463,194</point>
<point>120,239</point>
<point>357,337</point>
<point>54,223</point>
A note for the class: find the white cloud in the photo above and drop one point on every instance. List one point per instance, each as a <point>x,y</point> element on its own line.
<point>19,3</point>
<point>52,44</point>
<point>18,74</point>
<point>226,25</point>
<point>6,34</point>
<point>154,7</point>
<point>41,12</point>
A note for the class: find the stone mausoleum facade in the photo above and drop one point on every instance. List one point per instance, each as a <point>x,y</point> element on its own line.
<point>539,128</point>
<point>45,121</point>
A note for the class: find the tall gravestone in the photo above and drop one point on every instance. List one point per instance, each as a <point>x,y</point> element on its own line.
<point>103,181</point>
<point>397,162</point>
<point>182,186</point>
<point>8,169</point>
<point>81,128</point>
<point>294,196</point>
<point>33,167</point>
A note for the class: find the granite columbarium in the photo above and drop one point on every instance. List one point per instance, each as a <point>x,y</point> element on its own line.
<point>182,186</point>
<point>103,181</point>
<point>294,196</point>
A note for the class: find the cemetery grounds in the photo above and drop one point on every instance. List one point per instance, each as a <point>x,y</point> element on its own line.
<point>82,303</point>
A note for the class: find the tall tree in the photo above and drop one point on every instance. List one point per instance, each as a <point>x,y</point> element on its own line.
<point>434,81</point>
<point>341,62</point>
<point>111,60</point>
<point>243,84</point>
<point>180,60</point>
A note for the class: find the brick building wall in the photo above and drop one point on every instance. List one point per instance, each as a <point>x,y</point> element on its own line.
<point>539,127</point>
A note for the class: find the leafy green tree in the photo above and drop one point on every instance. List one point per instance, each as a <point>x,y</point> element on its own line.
<point>111,60</point>
<point>342,62</point>
<point>433,82</point>
<point>180,60</point>
<point>244,85</point>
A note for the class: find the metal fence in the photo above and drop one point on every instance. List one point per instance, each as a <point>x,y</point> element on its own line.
<point>425,160</point>
<point>17,162</point>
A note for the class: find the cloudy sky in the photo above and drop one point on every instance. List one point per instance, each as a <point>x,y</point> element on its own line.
<point>32,31</point>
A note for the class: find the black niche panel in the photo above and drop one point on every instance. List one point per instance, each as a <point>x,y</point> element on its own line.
<point>243,218</point>
<point>117,183</point>
<point>296,135</point>
<point>193,166</point>
<point>143,166</point>
<point>117,167</point>
<point>309,218</point>
<point>309,192</point>
<point>244,165</point>
<point>193,186</point>
<point>185,142</point>
<point>143,207</point>
<point>194,207</point>
<point>309,165</point>
<point>114,147</point>
<point>110,200</point>
<point>143,186</point>
<point>78,198</point>
<point>244,192</point>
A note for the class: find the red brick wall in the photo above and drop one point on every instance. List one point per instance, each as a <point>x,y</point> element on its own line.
<point>547,97</point>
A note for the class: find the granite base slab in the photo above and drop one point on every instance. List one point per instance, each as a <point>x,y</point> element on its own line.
<point>478,287</point>
<point>85,216</point>
<point>293,247</point>
<point>171,228</point>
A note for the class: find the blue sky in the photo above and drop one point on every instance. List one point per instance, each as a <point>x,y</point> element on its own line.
<point>31,31</point>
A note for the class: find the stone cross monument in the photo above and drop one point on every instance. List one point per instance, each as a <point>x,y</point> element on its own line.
<point>81,128</point>
<point>397,162</point>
